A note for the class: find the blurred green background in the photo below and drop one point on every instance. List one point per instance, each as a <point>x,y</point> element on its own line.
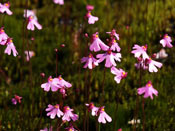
<point>136,21</point>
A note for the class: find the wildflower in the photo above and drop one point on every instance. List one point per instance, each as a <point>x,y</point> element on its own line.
<point>53,111</point>
<point>97,44</point>
<point>68,115</point>
<point>140,50</point>
<point>32,23</point>
<point>89,7</point>
<point>10,47</point>
<point>16,100</point>
<point>29,54</point>
<point>141,64</point>
<point>152,65</point>
<point>3,36</point>
<point>161,54</point>
<point>148,90</point>
<point>30,13</point>
<point>91,19</point>
<point>114,45</point>
<point>92,108</point>
<point>5,8</point>
<point>113,33</point>
<point>49,129</point>
<point>62,83</point>
<point>60,2</point>
<point>103,116</point>
<point>110,57</point>
<point>52,83</point>
<point>70,128</point>
<point>90,61</point>
<point>166,41</point>
<point>120,74</point>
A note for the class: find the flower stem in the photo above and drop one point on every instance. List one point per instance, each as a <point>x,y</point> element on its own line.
<point>143,110</point>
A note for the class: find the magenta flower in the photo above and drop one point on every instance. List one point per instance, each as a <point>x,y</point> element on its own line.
<point>140,50</point>
<point>148,90</point>
<point>70,128</point>
<point>120,129</point>
<point>62,83</point>
<point>110,58</point>
<point>10,47</point>
<point>3,36</point>
<point>91,19</point>
<point>97,44</point>
<point>89,7</point>
<point>120,74</point>
<point>16,99</point>
<point>68,115</point>
<point>91,62</point>
<point>30,13</point>
<point>53,111</point>
<point>113,33</point>
<point>32,23</point>
<point>103,116</point>
<point>49,129</point>
<point>152,65</point>
<point>60,2</point>
<point>52,83</point>
<point>114,45</point>
<point>92,108</point>
<point>30,53</point>
<point>166,41</point>
<point>5,8</point>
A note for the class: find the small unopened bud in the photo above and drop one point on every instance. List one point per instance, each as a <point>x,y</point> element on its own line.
<point>86,35</point>
<point>154,55</point>
<point>42,75</point>
<point>56,50</point>
<point>62,45</point>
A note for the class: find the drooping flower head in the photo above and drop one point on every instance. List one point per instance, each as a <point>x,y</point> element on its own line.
<point>53,111</point>
<point>60,2</point>
<point>68,115</point>
<point>114,34</point>
<point>91,19</point>
<point>3,36</point>
<point>29,54</point>
<point>140,51</point>
<point>16,99</point>
<point>120,74</point>
<point>93,108</point>
<point>166,41</point>
<point>147,90</point>
<point>51,83</point>
<point>91,62</point>
<point>32,23</point>
<point>5,8</point>
<point>10,47</point>
<point>89,7</point>
<point>103,116</point>
<point>152,65</point>
<point>97,44</point>
<point>110,58</point>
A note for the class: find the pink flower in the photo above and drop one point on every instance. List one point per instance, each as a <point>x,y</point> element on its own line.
<point>10,47</point>
<point>110,57</point>
<point>49,129</point>
<point>30,13</point>
<point>97,44</point>
<point>140,50</point>
<point>166,41</point>
<point>68,115</point>
<point>114,46</point>
<point>32,22</point>
<point>103,116</point>
<point>53,111</point>
<point>5,8</point>
<point>52,83</point>
<point>161,54</point>
<point>16,100</point>
<point>141,64</point>
<point>91,19</point>
<point>152,65</point>
<point>120,74</point>
<point>3,36</point>
<point>62,83</point>
<point>90,61</point>
<point>30,53</point>
<point>70,128</point>
<point>92,108</point>
<point>113,33</point>
<point>89,7</point>
<point>148,90</point>
<point>60,2</point>
<point>120,129</point>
